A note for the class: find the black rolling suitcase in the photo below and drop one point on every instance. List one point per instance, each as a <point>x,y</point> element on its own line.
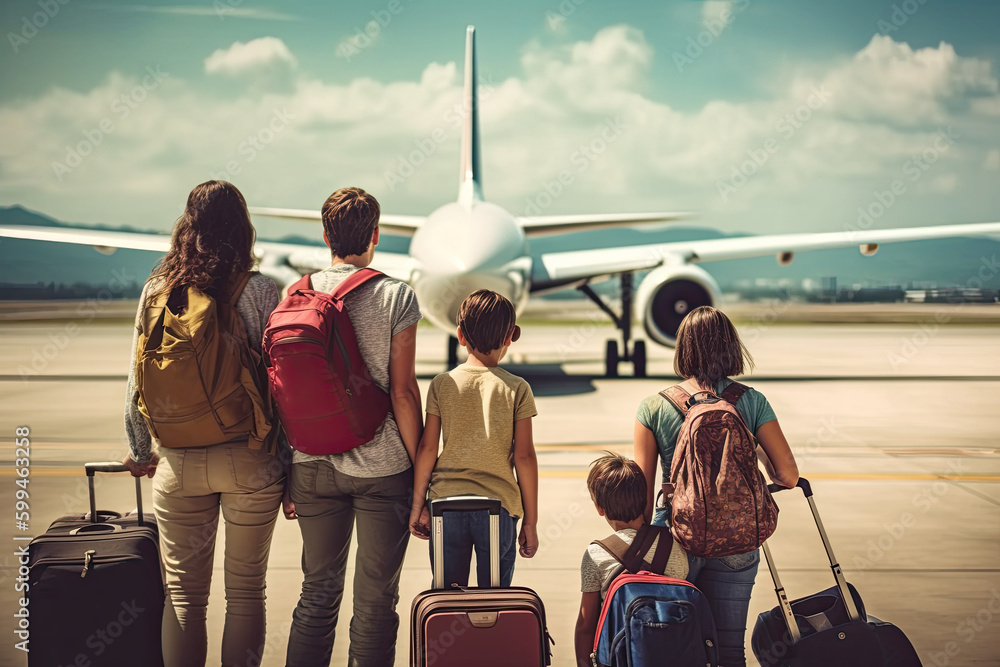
<point>828,628</point>
<point>95,588</point>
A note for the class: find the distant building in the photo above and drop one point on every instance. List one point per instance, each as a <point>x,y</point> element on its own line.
<point>953,295</point>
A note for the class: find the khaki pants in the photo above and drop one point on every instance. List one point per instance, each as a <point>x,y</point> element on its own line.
<point>189,487</point>
<point>329,504</point>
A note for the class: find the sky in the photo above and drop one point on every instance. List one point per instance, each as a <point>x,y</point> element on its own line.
<point>760,116</point>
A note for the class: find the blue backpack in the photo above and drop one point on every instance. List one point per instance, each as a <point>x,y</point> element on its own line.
<point>650,619</point>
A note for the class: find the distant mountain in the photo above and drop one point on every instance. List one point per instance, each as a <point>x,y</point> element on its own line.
<point>944,262</point>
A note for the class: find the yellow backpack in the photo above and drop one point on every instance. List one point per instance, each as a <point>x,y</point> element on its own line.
<point>199,382</point>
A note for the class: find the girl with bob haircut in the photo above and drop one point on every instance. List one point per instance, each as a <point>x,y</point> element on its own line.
<point>708,353</point>
<point>211,249</point>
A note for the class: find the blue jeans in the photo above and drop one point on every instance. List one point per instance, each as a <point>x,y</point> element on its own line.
<point>464,531</point>
<point>726,583</point>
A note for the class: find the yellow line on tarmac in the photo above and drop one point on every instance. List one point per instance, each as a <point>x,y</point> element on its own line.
<point>77,471</point>
<point>582,448</point>
<point>47,471</point>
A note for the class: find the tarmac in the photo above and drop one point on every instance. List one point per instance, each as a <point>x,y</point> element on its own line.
<point>895,424</point>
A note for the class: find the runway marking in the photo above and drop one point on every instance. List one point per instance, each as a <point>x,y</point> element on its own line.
<point>588,447</point>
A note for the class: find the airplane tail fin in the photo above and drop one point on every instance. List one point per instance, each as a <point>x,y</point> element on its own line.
<point>470,185</point>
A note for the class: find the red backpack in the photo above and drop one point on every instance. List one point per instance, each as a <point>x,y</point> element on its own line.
<point>721,505</point>
<point>326,398</point>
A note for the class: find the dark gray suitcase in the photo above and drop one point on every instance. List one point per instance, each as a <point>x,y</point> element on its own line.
<point>829,628</point>
<point>485,627</point>
<point>95,589</point>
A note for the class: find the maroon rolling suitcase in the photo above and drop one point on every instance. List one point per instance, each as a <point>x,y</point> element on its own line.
<point>486,627</point>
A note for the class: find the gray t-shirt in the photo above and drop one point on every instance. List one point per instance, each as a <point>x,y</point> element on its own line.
<point>599,568</point>
<point>379,309</point>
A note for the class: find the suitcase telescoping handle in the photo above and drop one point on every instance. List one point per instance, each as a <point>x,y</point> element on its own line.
<point>838,574</point>
<point>464,504</point>
<point>110,466</point>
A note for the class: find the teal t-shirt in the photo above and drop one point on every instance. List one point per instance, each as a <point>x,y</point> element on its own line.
<point>662,418</point>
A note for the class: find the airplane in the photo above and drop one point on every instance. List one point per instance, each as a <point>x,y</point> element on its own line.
<point>472,244</point>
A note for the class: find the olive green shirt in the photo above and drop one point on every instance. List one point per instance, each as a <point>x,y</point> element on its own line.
<point>478,407</point>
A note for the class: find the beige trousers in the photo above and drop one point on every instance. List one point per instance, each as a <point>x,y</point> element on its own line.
<point>189,487</point>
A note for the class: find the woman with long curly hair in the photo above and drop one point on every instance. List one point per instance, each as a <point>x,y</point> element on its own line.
<point>211,253</point>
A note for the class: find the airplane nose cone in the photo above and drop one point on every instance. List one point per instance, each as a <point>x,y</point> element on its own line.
<point>456,241</point>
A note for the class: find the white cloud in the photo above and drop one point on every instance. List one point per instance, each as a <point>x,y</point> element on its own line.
<point>890,82</point>
<point>363,38</point>
<point>264,53</point>
<point>887,105</point>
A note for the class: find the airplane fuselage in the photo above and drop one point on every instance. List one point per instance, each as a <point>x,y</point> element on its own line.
<point>463,247</point>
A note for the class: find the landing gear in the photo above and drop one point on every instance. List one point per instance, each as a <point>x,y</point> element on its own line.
<point>639,358</point>
<point>611,359</point>
<point>636,352</point>
<point>452,352</point>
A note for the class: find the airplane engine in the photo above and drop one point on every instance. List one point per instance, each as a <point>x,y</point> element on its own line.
<point>669,293</point>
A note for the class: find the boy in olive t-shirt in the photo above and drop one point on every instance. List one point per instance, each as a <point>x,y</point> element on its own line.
<point>484,415</point>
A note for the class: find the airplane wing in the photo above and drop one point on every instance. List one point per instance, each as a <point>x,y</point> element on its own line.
<point>563,224</point>
<point>400,225</point>
<point>310,258</point>
<point>283,262</point>
<point>566,267</point>
<point>102,239</point>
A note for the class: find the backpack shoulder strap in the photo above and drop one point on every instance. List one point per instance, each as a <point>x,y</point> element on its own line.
<point>615,546</point>
<point>678,397</point>
<point>355,280</point>
<point>238,284</point>
<point>635,558</point>
<point>733,392</point>
<point>302,283</point>
<point>663,547</point>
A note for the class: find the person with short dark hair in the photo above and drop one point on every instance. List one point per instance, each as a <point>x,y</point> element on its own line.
<point>365,487</point>
<point>618,489</point>
<point>484,414</point>
<point>708,352</point>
